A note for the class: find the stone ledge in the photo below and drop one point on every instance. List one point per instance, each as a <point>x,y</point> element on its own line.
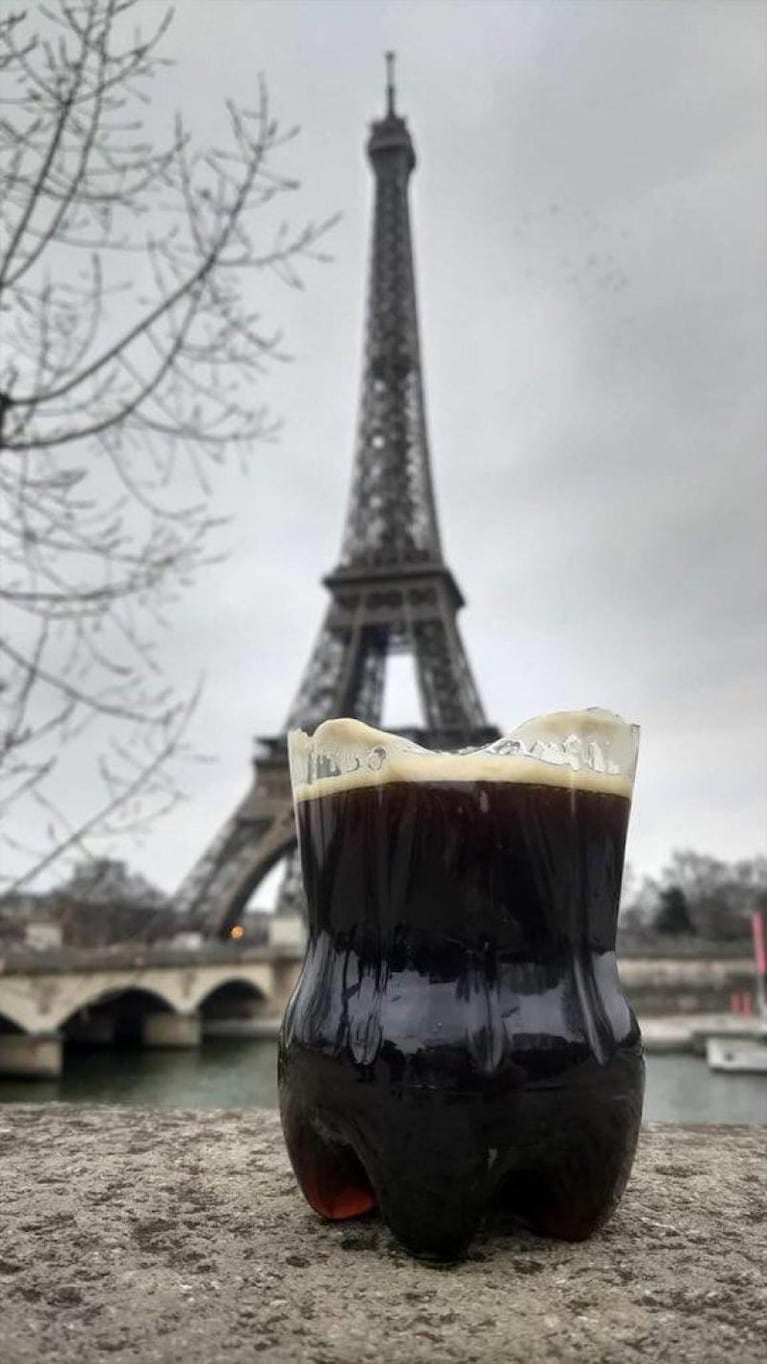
<point>158,1235</point>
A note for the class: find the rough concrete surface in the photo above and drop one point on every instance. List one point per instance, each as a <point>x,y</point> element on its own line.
<point>158,1235</point>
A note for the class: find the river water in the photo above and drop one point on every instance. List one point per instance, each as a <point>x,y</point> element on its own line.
<point>242,1074</point>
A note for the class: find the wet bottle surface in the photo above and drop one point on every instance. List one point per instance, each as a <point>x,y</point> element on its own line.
<point>458,1047</point>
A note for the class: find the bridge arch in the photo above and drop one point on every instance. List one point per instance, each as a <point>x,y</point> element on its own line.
<point>87,998</point>
<point>236,1000</point>
<point>247,986</point>
<point>8,1023</point>
<point>257,979</point>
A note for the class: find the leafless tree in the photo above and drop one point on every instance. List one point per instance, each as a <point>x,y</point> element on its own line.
<point>719,897</point>
<point>127,356</point>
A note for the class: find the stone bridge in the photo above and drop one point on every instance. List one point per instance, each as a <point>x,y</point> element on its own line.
<point>159,996</point>
<point>166,997</point>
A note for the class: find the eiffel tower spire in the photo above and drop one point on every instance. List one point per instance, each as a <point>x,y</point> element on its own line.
<point>391,589</point>
<point>392,517</point>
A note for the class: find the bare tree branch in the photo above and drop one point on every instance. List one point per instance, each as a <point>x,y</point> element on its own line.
<point>129,361</point>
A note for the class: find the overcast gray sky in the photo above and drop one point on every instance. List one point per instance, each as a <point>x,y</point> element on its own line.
<point>589,222</point>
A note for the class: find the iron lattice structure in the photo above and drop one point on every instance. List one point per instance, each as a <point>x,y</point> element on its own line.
<point>391,591</point>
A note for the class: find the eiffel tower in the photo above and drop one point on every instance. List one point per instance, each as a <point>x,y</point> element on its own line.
<point>391,591</point>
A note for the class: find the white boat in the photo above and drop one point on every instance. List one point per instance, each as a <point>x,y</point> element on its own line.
<point>746,1055</point>
<point>738,1055</point>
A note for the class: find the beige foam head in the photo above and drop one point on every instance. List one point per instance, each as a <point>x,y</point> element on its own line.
<point>590,750</point>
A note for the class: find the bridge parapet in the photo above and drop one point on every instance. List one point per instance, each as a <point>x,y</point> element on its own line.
<point>25,962</point>
<point>42,995</point>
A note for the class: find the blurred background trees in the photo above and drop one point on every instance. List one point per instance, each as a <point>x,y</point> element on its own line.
<point>130,362</point>
<point>673,915</point>
<point>697,895</point>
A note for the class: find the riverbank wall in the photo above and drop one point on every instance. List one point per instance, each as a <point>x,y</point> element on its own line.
<point>166,1236</point>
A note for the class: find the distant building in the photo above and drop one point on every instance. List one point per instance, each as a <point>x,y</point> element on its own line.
<point>186,942</point>
<point>287,930</point>
<point>102,903</point>
<point>28,923</point>
<point>106,881</point>
<point>102,925</point>
<point>43,935</point>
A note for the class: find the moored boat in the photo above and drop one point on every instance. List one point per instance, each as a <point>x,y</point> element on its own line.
<point>746,1055</point>
<point>739,1055</point>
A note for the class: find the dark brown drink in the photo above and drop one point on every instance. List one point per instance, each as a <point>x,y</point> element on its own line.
<point>458,1046</point>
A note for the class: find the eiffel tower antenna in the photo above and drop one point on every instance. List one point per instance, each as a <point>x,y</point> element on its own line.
<point>390,90</point>
<point>391,589</point>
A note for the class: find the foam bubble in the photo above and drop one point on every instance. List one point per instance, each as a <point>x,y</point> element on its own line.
<point>589,750</point>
